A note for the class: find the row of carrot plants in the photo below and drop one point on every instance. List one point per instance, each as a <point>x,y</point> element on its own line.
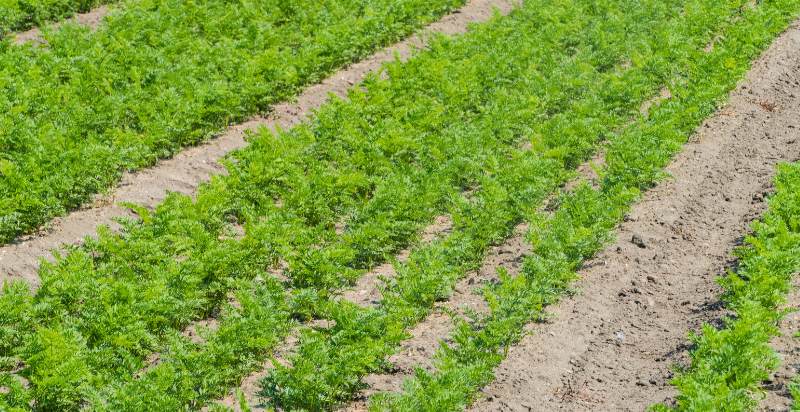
<point>330,363</point>
<point>159,75</point>
<point>384,163</point>
<point>729,364</point>
<point>17,15</point>
<point>586,217</point>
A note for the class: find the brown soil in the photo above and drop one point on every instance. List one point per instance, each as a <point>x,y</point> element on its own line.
<point>193,166</point>
<point>612,346</point>
<point>90,19</point>
<point>587,172</point>
<point>664,94</point>
<point>197,331</point>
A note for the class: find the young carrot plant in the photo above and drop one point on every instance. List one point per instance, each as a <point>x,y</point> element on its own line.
<point>729,364</point>
<point>161,75</point>
<point>586,217</point>
<point>331,363</point>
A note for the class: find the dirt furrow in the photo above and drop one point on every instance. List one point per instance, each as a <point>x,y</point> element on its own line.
<point>612,346</point>
<point>193,166</point>
<point>250,387</point>
<point>90,19</point>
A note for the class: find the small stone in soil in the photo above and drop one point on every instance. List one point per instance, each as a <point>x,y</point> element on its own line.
<point>638,241</point>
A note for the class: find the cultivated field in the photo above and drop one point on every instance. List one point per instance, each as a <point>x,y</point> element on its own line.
<point>400,205</point>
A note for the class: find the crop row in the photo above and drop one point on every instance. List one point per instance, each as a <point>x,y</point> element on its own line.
<point>587,216</point>
<point>330,199</point>
<point>160,75</point>
<point>384,163</point>
<point>17,15</point>
<point>330,363</point>
<point>794,391</point>
<point>729,364</point>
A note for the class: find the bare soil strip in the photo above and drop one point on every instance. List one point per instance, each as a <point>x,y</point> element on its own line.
<point>187,170</point>
<point>663,94</point>
<point>612,346</point>
<point>90,19</point>
<point>787,345</point>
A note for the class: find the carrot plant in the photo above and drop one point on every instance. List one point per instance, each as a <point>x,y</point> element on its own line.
<point>383,163</point>
<point>330,364</point>
<point>189,374</point>
<point>17,15</point>
<point>728,364</point>
<point>160,75</point>
<point>586,217</point>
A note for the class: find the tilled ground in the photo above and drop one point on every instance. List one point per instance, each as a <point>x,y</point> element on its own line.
<point>613,345</point>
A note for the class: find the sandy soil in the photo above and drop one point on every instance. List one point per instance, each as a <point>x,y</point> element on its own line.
<point>612,346</point>
<point>251,385</point>
<point>193,166</point>
<point>89,19</point>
